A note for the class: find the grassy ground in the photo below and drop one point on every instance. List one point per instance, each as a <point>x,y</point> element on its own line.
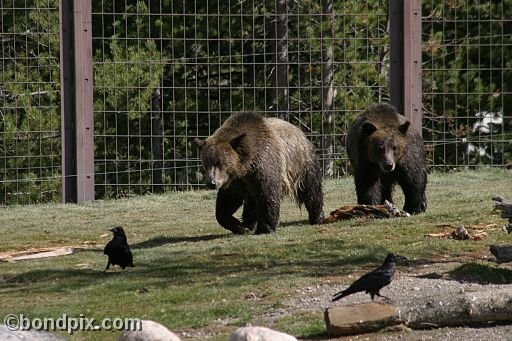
<point>201,279</point>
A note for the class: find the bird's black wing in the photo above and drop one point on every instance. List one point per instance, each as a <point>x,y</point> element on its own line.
<point>370,282</point>
<point>378,279</point>
<point>127,255</point>
<point>109,247</point>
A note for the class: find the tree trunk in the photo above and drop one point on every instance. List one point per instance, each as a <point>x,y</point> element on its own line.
<point>465,308</point>
<point>327,90</point>
<point>280,79</point>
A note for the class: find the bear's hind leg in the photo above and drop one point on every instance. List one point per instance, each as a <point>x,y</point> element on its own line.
<point>311,195</point>
<point>227,204</point>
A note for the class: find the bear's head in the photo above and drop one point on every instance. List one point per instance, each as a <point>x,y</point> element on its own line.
<point>385,146</point>
<point>223,159</point>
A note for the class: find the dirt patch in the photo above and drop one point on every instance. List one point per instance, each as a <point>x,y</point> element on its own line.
<point>410,284</point>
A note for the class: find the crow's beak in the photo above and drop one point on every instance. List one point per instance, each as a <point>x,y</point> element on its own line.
<point>113,230</point>
<point>401,259</point>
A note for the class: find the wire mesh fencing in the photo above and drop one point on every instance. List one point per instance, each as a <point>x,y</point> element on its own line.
<point>467,83</point>
<point>30,160</point>
<point>166,72</point>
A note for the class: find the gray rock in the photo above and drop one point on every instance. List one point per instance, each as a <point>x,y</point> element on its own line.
<point>27,335</point>
<point>150,331</point>
<point>259,334</point>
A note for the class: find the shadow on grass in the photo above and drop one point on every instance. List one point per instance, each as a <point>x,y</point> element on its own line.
<point>163,240</point>
<point>317,336</point>
<point>199,267</point>
<point>56,279</point>
<point>482,274</point>
<point>293,223</point>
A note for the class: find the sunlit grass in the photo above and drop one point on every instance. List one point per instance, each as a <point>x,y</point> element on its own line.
<point>191,274</point>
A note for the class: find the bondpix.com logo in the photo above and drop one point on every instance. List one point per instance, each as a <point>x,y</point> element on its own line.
<point>70,324</point>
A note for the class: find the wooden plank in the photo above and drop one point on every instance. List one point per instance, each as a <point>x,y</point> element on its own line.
<point>36,253</point>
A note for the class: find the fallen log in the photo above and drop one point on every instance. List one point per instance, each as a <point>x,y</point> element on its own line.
<point>360,318</point>
<point>503,254</point>
<point>464,308</point>
<point>387,210</point>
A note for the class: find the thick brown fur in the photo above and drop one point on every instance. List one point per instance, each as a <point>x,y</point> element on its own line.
<point>253,161</point>
<point>385,149</point>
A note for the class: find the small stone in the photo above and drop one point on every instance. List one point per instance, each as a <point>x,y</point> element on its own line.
<point>250,296</point>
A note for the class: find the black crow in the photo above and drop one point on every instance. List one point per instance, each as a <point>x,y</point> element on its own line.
<point>373,281</point>
<point>118,250</point>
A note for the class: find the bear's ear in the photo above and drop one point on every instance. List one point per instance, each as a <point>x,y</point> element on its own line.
<point>404,127</point>
<point>199,143</point>
<point>237,141</point>
<point>368,128</point>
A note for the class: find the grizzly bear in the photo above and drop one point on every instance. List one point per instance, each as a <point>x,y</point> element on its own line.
<point>253,161</point>
<point>384,150</point>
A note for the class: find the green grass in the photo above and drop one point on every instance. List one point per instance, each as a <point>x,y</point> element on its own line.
<point>198,275</point>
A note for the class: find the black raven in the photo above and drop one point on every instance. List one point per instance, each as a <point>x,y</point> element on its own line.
<point>373,281</point>
<point>118,250</point>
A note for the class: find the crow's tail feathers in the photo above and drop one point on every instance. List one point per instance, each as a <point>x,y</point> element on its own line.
<point>339,296</point>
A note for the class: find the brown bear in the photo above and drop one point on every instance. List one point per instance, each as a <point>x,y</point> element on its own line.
<point>384,150</point>
<point>253,161</point>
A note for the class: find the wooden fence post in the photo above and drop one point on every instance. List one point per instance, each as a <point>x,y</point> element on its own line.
<point>405,70</point>
<point>77,121</point>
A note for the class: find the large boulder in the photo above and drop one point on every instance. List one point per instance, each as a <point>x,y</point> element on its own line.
<point>149,331</point>
<point>259,334</point>
<point>7,334</point>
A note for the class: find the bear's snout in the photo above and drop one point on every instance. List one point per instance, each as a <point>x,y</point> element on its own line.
<point>210,183</point>
<point>388,166</point>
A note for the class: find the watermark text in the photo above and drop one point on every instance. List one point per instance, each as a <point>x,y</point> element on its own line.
<point>71,324</point>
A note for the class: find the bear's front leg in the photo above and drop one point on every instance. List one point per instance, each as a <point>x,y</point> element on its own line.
<point>414,186</point>
<point>368,188</point>
<point>227,204</point>
<point>250,214</point>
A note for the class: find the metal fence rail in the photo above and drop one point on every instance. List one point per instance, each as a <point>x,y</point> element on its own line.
<point>168,71</point>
